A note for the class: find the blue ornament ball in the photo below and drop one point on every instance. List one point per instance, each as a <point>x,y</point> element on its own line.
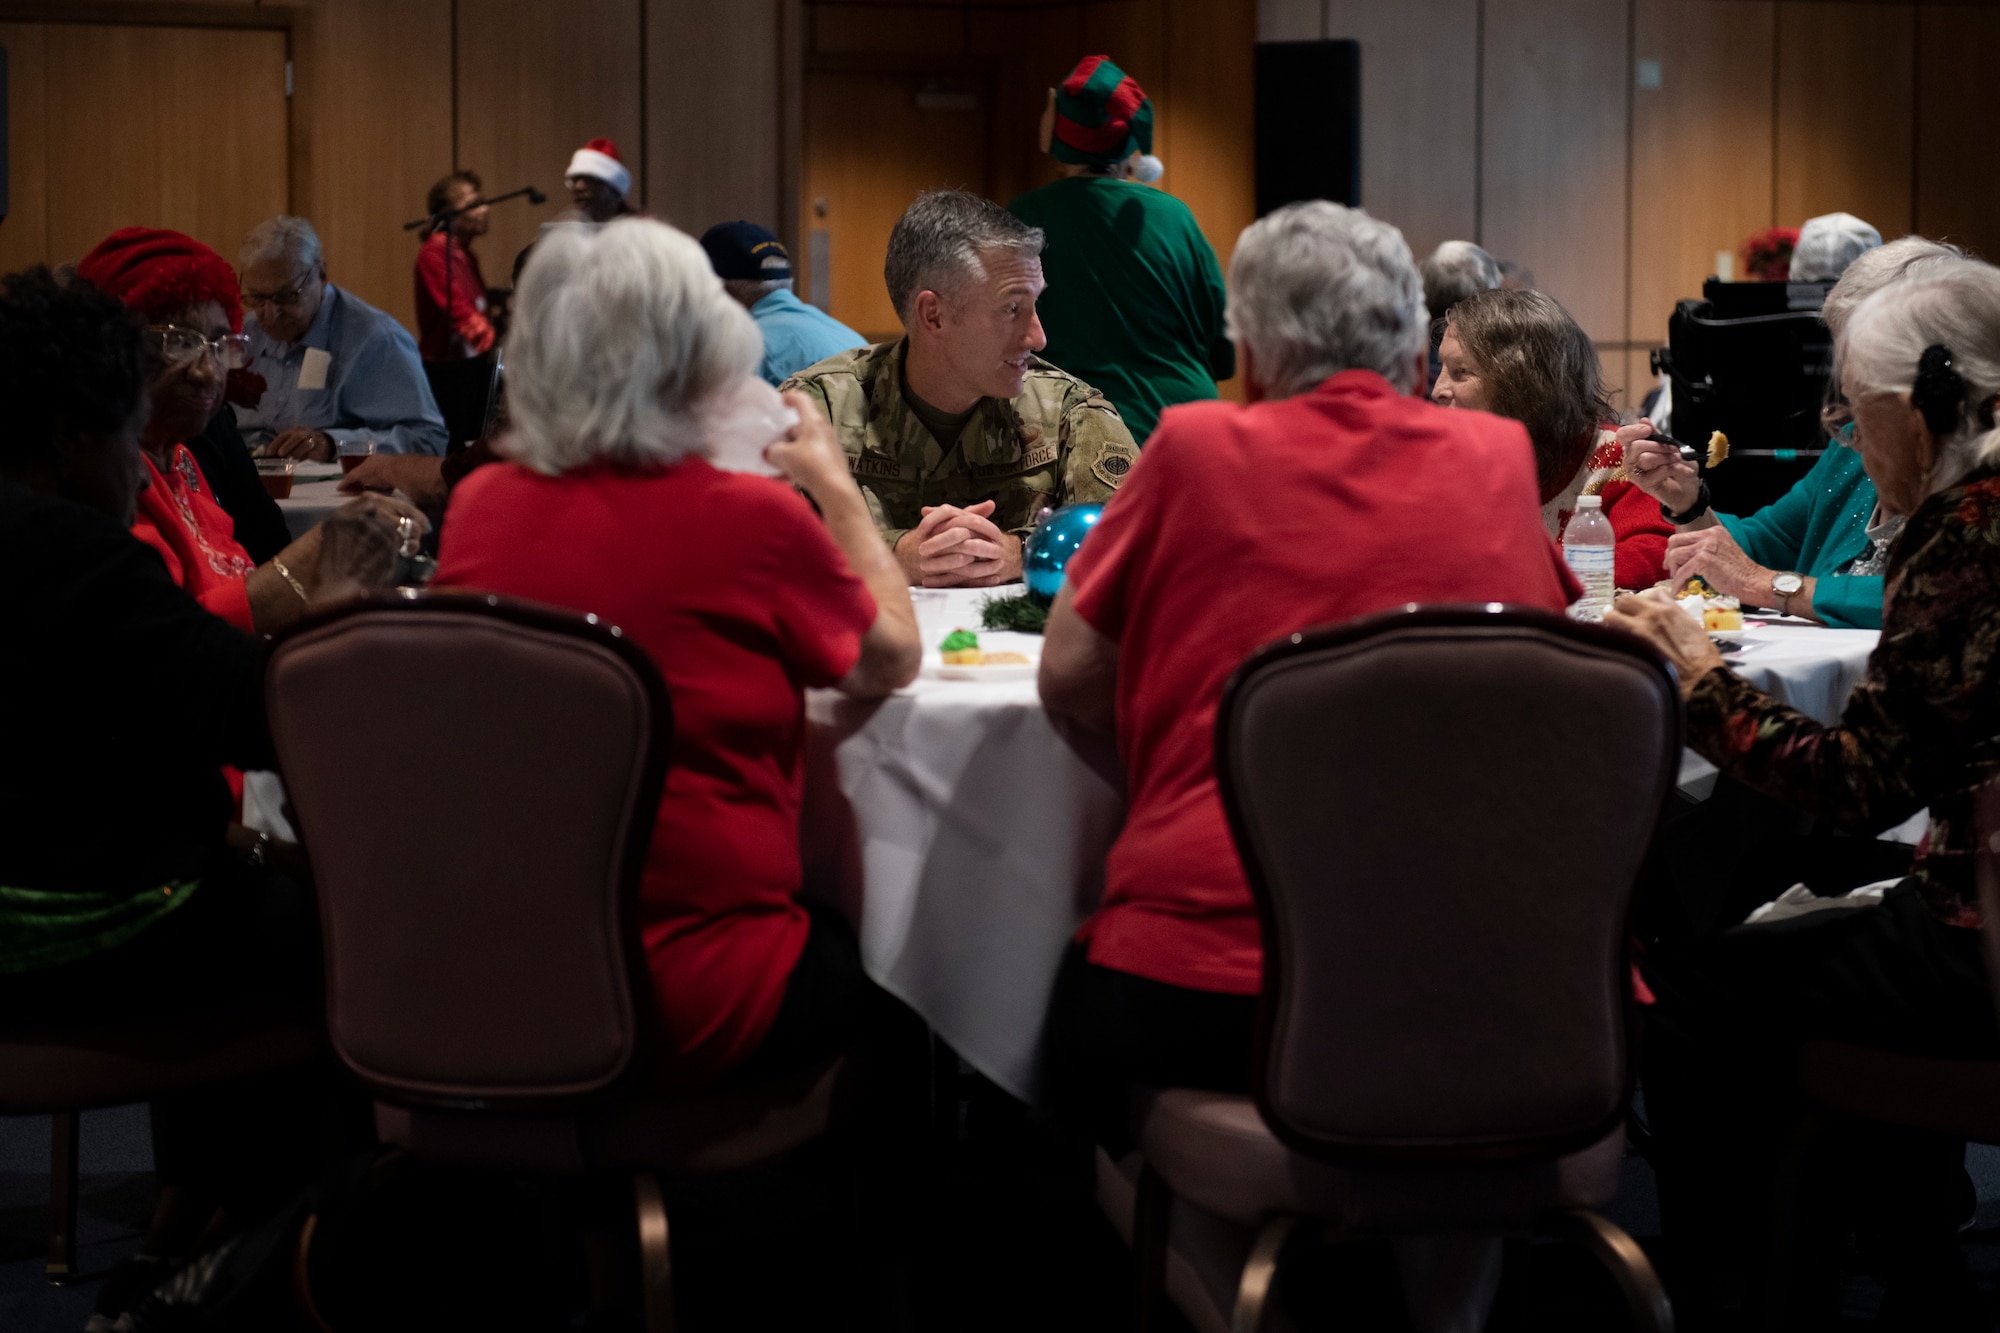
<point>1051,545</point>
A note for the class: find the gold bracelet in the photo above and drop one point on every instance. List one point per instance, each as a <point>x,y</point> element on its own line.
<point>286,575</point>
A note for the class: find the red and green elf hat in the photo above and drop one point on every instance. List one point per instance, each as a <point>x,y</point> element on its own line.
<point>1102,115</point>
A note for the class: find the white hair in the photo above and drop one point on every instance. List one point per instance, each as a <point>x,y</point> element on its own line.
<point>1904,257</point>
<point>1316,288</point>
<point>1828,243</point>
<point>288,238</point>
<point>1454,271</point>
<point>1959,307</point>
<point>622,337</point>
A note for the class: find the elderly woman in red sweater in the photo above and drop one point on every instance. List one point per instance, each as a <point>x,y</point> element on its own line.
<point>187,295</point>
<point>1519,354</point>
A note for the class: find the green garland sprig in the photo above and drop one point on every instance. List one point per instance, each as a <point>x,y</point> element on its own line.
<point>1024,615</point>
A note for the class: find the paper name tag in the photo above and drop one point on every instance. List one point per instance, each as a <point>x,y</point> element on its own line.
<point>312,372</point>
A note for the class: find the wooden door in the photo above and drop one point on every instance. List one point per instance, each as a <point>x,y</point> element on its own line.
<point>873,142</point>
<point>117,126</point>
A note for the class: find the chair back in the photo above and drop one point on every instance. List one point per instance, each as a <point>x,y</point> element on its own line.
<point>1987,868</point>
<point>475,782</point>
<point>1442,813</point>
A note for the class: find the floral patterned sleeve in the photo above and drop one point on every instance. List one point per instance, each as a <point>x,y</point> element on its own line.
<point>1921,728</point>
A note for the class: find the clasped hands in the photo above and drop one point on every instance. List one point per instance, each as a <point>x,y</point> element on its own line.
<point>953,547</point>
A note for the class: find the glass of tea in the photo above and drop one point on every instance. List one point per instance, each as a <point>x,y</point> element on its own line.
<point>276,474</point>
<point>353,451</point>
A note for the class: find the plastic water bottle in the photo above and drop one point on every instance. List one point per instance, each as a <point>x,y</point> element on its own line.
<point>1590,548</point>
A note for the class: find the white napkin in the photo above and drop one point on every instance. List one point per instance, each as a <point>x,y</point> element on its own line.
<point>1799,900</point>
<point>742,421</point>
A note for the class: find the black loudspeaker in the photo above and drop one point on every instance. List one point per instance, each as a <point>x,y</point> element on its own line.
<point>1308,123</point>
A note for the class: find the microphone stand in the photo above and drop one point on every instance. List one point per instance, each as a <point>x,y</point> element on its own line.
<point>442,219</point>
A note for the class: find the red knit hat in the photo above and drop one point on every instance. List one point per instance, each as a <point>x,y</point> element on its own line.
<point>158,272</point>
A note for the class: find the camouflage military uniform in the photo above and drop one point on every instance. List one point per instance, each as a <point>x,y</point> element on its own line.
<point>1058,443</point>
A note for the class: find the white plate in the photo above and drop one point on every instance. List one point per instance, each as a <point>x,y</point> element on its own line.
<point>992,641</point>
<point>991,674</point>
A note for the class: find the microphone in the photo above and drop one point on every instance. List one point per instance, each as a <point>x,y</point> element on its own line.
<point>536,196</point>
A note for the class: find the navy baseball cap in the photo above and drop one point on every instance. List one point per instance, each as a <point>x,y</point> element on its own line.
<point>745,250</point>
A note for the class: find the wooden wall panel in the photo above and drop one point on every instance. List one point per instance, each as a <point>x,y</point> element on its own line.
<point>712,112</point>
<point>536,81</point>
<point>1419,113</point>
<point>1701,147</point>
<point>24,233</point>
<point>371,132</point>
<point>134,140</point>
<point>1846,95</point>
<point>1028,55</point>
<point>1291,20</point>
<point>865,184</point>
<point>1958,121</point>
<point>1208,105</point>
<point>1555,151</point>
<point>877,29</point>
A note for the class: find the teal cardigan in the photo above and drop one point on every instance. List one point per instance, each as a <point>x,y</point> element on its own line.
<point>1819,528</point>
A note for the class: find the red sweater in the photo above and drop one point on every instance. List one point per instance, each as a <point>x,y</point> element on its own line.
<point>1636,521</point>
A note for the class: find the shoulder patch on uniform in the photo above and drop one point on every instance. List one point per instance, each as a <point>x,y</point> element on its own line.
<point>1112,468</point>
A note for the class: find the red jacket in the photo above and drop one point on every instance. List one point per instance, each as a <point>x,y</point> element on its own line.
<point>180,519</point>
<point>448,278</point>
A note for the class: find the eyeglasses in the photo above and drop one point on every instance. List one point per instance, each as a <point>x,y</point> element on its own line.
<point>177,346</point>
<point>285,299</point>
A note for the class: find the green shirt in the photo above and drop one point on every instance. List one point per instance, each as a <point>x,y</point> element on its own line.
<point>1058,443</point>
<point>1134,302</point>
<point>1820,528</point>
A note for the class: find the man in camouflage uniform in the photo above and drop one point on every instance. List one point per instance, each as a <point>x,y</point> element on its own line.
<point>957,433</point>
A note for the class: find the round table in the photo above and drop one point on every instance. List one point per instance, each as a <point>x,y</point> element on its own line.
<point>315,494</point>
<point>968,840</point>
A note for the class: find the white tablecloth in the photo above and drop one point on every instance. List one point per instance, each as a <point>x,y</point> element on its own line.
<point>313,497</point>
<point>1807,666</point>
<point>967,840</point>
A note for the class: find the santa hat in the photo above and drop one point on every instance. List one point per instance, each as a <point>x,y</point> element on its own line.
<point>159,272</point>
<point>1103,116</point>
<point>599,160</point>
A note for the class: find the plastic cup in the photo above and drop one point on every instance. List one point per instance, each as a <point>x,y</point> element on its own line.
<point>276,474</point>
<point>353,451</point>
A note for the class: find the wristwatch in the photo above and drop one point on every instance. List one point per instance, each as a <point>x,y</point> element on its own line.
<point>1785,587</point>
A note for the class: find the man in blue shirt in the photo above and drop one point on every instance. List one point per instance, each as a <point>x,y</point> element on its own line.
<point>335,369</point>
<point>756,270</point>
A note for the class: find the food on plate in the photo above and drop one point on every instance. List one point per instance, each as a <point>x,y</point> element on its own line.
<point>1718,448</point>
<point>1713,611</point>
<point>961,648</point>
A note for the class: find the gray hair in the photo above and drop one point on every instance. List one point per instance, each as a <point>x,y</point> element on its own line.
<point>938,243</point>
<point>290,239</point>
<point>1454,271</point>
<point>1316,288</point>
<point>622,337</point>
<point>1958,306</point>
<point>1872,270</point>
<point>752,290</point>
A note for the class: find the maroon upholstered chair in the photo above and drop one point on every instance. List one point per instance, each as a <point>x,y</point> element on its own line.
<point>1442,813</point>
<point>475,782</point>
<point>1956,1098</point>
<point>60,1072</point>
